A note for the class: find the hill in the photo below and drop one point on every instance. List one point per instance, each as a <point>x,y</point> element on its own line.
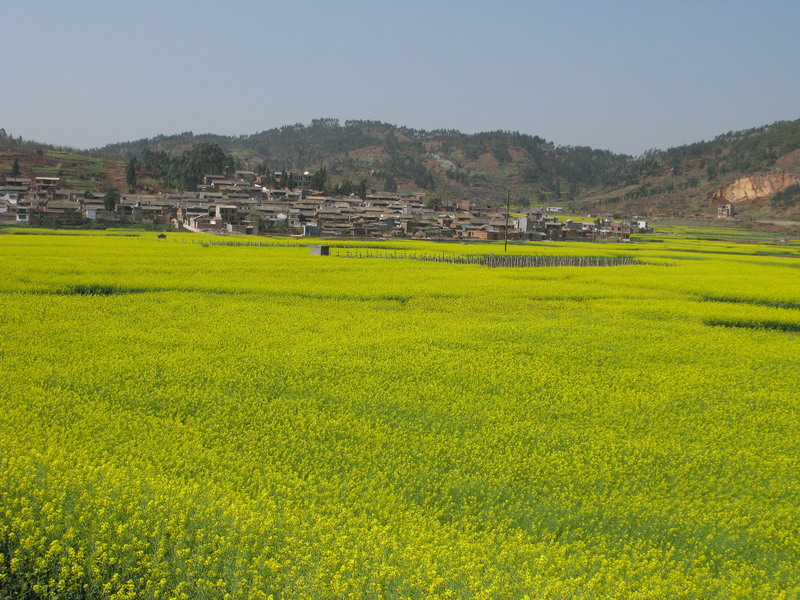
<point>79,170</point>
<point>478,167</point>
<point>685,180</point>
<point>757,170</point>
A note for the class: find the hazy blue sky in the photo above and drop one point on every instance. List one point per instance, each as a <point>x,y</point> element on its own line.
<point>626,76</point>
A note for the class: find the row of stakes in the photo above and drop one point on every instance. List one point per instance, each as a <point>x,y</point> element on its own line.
<point>488,260</point>
<point>502,260</point>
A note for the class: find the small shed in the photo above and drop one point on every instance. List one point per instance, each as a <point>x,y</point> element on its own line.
<point>317,250</point>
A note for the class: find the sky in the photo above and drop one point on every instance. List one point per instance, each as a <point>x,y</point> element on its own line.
<point>620,75</point>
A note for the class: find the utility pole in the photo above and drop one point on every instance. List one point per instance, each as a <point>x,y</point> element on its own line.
<point>508,209</point>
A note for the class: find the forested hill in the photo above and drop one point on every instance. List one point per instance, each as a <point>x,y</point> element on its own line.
<point>481,167</point>
<point>758,169</point>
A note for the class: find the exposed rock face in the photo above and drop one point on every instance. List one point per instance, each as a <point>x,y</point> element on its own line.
<point>753,187</point>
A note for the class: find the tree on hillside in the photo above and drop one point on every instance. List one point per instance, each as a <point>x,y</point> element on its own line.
<point>390,143</point>
<point>130,172</point>
<point>15,168</point>
<point>361,189</point>
<point>187,170</point>
<point>344,189</point>
<point>110,199</point>
<point>433,201</point>
<point>389,184</point>
<point>574,191</point>
<point>319,179</point>
<point>200,159</point>
<point>787,197</point>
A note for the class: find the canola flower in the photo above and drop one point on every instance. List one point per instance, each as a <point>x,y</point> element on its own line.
<point>185,421</point>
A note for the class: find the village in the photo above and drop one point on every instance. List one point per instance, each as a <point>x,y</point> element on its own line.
<point>249,204</point>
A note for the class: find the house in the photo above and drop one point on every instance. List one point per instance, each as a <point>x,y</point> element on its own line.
<point>28,214</point>
<point>156,214</point>
<point>191,209</point>
<point>210,179</point>
<point>301,180</point>
<point>45,184</point>
<point>481,232</point>
<point>384,198</point>
<point>311,230</point>
<point>8,206</point>
<point>98,213</point>
<point>464,205</point>
<point>621,230</point>
<point>533,222</point>
<point>205,223</point>
<point>248,176</point>
<point>17,184</point>
<point>725,211</point>
<point>222,184</point>
<point>247,228</point>
<point>228,213</point>
<point>569,229</point>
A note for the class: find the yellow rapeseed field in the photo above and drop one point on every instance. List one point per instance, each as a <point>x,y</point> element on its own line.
<point>181,419</point>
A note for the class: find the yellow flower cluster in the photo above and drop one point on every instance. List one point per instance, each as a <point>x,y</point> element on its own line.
<point>180,421</point>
